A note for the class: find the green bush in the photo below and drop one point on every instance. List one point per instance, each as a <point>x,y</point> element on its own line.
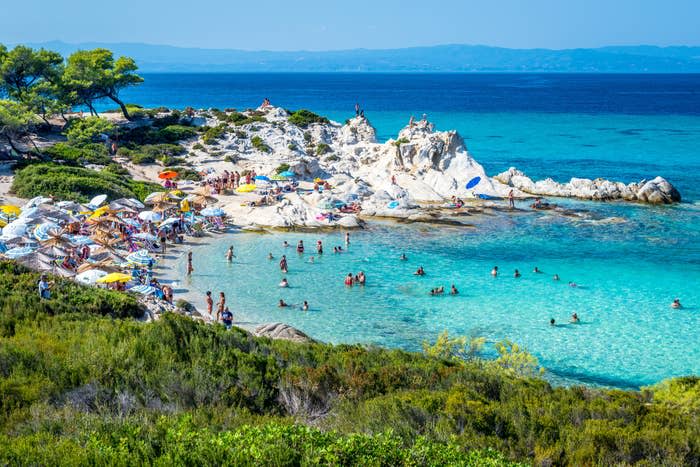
<point>93,153</point>
<point>187,174</point>
<point>303,118</point>
<point>86,130</point>
<point>150,153</point>
<point>282,168</point>
<point>214,133</point>
<point>259,144</point>
<point>322,148</point>
<point>75,183</point>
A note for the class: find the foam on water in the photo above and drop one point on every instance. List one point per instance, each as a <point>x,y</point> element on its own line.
<point>628,272</point>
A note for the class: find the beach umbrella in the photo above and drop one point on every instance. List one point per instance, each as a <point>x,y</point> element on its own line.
<point>143,289</point>
<point>167,175</point>
<point>287,174</point>
<point>150,216</point>
<point>37,261</point>
<point>246,188</point>
<point>473,182</point>
<point>69,206</point>
<point>99,212</point>
<point>131,222</point>
<point>46,230</point>
<point>29,212</point>
<point>13,230</point>
<point>160,197</point>
<point>114,277</point>
<point>318,180</point>
<point>18,252</point>
<point>3,247</point>
<point>212,212</point>
<point>262,177</point>
<point>169,221</point>
<point>133,202</point>
<point>34,202</point>
<point>90,276</point>
<point>141,257</point>
<point>79,239</point>
<point>97,201</point>
<point>10,210</point>
<point>53,251</point>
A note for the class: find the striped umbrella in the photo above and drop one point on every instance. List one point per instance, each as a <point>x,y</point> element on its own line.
<point>145,236</point>
<point>150,216</point>
<point>79,239</point>
<point>141,257</point>
<point>45,231</point>
<point>90,276</point>
<point>18,252</point>
<point>212,212</point>
<point>143,289</point>
<point>13,230</point>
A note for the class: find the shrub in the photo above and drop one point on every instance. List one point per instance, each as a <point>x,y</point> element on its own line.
<point>214,133</point>
<point>175,133</point>
<point>303,118</point>
<point>292,147</point>
<point>241,134</point>
<point>198,147</point>
<point>282,168</point>
<point>75,183</point>
<point>86,130</point>
<point>116,169</point>
<point>332,158</point>
<point>149,153</point>
<point>400,141</point>
<point>258,144</point>
<point>94,153</point>
<point>322,148</point>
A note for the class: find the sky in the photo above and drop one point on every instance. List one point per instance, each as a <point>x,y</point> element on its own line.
<point>374,24</point>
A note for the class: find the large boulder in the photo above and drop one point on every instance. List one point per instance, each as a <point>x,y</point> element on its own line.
<point>658,191</point>
<point>281,331</point>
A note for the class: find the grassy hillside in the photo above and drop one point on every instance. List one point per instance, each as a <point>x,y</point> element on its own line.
<point>95,386</point>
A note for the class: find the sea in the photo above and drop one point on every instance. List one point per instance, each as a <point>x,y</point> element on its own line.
<point>629,261</point>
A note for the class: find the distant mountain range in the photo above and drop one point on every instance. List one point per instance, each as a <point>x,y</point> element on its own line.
<point>442,58</point>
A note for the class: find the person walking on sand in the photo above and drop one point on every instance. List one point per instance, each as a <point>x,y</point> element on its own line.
<point>190,269</point>
<point>511,200</point>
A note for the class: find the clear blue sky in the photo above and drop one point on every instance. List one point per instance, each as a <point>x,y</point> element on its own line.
<point>332,24</point>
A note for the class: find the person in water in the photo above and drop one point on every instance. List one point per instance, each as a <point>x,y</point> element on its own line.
<point>556,277</point>
<point>361,279</point>
<point>300,246</point>
<point>305,306</point>
<point>221,305</point>
<point>229,254</point>
<point>536,270</point>
<point>284,282</point>
<point>347,238</point>
<point>190,269</point>
<point>573,284</point>
<point>285,244</point>
<point>311,260</point>
<point>269,256</point>
<point>453,290</point>
<point>516,274</point>
<point>552,322</point>
<point>348,279</point>
<point>403,257</point>
<point>676,303</point>
<point>283,264</point>
<point>282,304</point>
<point>494,271</point>
<point>420,271</point>
<point>319,247</point>
<point>574,318</point>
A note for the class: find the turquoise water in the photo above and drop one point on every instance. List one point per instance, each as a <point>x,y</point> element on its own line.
<point>628,273</point>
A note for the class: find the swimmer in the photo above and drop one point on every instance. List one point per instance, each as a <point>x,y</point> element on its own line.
<point>284,282</point>
<point>300,246</point>
<point>440,290</point>
<point>574,318</point>
<point>573,284</point>
<point>319,247</point>
<point>349,279</point>
<point>676,303</point>
<point>361,279</point>
<point>556,277</point>
<point>494,271</point>
<point>282,304</point>
<point>453,290</point>
<point>285,244</point>
<point>419,272</point>
<point>229,254</point>
<point>552,322</point>
<point>433,291</point>
<point>340,249</point>
<point>305,306</point>
<point>311,260</point>
<point>283,264</point>
<point>403,257</point>
<point>347,238</point>
<point>536,270</point>
<point>516,274</point>
<point>269,256</point>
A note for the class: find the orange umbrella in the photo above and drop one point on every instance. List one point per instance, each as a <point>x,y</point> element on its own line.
<point>167,175</point>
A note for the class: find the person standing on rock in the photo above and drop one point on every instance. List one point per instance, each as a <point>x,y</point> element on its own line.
<point>357,109</point>
<point>511,199</point>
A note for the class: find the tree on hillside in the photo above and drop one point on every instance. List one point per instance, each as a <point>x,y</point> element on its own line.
<point>91,75</point>
<point>32,77</point>
<point>15,121</point>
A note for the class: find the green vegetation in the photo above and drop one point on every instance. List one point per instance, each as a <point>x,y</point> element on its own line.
<point>15,122</point>
<point>76,183</point>
<point>80,386</point>
<point>212,134</point>
<point>94,153</point>
<point>400,141</point>
<point>282,168</point>
<point>303,118</point>
<point>167,154</point>
<point>259,144</point>
<point>85,130</point>
<point>322,148</point>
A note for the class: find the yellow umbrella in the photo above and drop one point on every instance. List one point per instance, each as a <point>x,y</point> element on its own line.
<point>178,193</point>
<point>114,277</point>
<point>2,223</point>
<point>245,188</point>
<point>185,206</point>
<point>10,210</point>
<point>318,180</point>
<point>99,211</point>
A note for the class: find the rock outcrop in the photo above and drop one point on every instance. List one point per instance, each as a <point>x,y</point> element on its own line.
<point>657,191</point>
<point>281,331</point>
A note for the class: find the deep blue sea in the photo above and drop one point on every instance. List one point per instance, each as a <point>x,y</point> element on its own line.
<point>629,260</point>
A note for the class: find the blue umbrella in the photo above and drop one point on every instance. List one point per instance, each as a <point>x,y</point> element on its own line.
<point>145,236</point>
<point>262,177</point>
<point>44,231</point>
<point>212,212</point>
<point>18,252</point>
<point>79,239</point>
<point>143,289</point>
<point>140,257</point>
<point>287,173</point>
<point>473,182</point>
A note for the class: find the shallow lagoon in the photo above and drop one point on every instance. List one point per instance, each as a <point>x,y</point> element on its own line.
<point>629,262</point>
